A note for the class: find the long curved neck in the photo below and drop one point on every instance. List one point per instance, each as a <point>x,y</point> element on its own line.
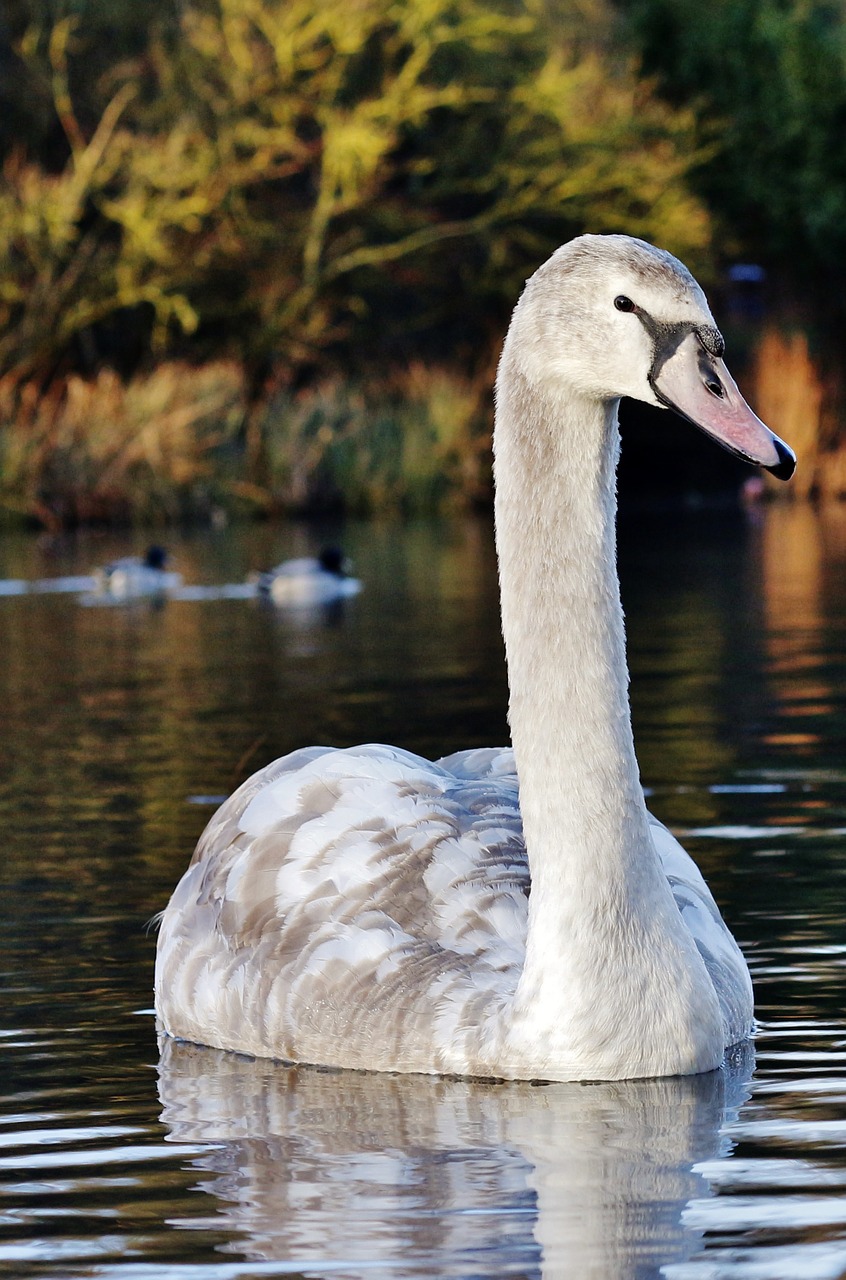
<point>602,922</point>
<point>580,793</point>
<point>612,984</point>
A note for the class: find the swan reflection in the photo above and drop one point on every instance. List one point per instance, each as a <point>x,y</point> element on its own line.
<point>414,1175</point>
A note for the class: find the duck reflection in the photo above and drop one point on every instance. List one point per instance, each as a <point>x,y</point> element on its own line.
<point>355,1172</point>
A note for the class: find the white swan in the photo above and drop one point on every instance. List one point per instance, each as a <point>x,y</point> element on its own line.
<point>309,581</point>
<point>369,909</point>
<point>136,576</point>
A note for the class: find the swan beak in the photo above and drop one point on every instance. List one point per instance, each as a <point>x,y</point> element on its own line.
<point>695,382</point>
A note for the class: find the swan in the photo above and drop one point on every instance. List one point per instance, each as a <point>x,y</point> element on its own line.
<point>136,576</point>
<point>309,581</point>
<point>367,908</point>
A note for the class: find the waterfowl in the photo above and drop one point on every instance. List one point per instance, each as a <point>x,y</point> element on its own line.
<point>309,581</point>
<point>137,576</point>
<point>513,912</point>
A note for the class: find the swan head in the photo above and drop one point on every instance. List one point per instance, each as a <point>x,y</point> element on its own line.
<point>609,316</point>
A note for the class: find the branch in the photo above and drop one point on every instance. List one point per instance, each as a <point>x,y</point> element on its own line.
<point>372,255</point>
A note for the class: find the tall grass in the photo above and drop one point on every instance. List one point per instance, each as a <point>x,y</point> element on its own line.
<point>417,442</point>
<point>169,445</point>
<point>797,400</point>
<point>101,450</point>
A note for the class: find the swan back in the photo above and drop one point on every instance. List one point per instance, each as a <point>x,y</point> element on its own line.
<point>366,906</point>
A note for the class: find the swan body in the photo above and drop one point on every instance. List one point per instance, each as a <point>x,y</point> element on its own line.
<point>309,581</point>
<point>137,576</point>
<point>514,912</point>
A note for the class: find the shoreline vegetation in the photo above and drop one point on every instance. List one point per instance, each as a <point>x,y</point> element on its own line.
<point>258,257</point>
<point>168,445</point>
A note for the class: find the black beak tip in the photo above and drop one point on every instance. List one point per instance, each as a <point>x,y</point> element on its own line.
<point>786,465</point>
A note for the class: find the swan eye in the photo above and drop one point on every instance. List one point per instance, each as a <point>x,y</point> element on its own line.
<point>622,303</point>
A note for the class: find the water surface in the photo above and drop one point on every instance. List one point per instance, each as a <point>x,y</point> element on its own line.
<point>121,726</point>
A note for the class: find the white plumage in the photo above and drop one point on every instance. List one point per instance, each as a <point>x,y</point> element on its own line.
<point>309,581</point>
<point>366,908</point>
<point>134,576</point>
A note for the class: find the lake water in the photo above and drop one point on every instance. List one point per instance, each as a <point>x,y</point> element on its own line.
<point>122,723</point>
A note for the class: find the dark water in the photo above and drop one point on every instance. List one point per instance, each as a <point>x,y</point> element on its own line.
<point>121,722</point>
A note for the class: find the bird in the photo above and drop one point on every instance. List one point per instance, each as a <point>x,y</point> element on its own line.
<point>309,581</point>
<point>137,576</point>
<point>504,912</point>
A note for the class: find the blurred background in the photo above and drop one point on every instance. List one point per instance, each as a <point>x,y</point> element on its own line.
<point>258,256</point>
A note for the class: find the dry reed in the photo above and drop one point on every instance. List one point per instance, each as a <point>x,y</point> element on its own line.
<point>794,397</point>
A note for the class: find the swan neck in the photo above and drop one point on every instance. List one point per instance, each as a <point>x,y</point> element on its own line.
<point>580,792</point>
<point>612,984</point>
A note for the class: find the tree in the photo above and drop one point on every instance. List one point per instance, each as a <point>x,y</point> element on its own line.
<point>767,82</point>
<point>308,179</point>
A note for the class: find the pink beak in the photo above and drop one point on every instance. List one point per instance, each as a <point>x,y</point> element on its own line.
<point>698,385</point>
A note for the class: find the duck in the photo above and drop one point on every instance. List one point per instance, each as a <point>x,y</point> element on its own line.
<point>137,576</point>
<point>309,581</point>
<point>508,912</point>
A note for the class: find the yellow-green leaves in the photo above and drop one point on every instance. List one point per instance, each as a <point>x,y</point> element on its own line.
<point>286,176</point>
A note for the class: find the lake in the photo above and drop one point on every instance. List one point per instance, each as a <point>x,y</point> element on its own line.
<point>124,723</point>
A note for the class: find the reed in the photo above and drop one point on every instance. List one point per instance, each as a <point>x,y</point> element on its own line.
<point>101,450</point>
<point>790,396</point>
<point>417,441</point>
<point>170,444</point>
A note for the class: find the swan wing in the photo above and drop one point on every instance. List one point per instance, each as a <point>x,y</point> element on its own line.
<point>482,762</point>
<point>360,907</point>
<point>722,957</point>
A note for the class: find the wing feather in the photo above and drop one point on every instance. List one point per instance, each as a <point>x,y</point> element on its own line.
<point>720,953</point>
<point>368,907</point>
<point>306,919</point>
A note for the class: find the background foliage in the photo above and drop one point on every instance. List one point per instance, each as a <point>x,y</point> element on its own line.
<point>766,80</point>
<point>313,192</point>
